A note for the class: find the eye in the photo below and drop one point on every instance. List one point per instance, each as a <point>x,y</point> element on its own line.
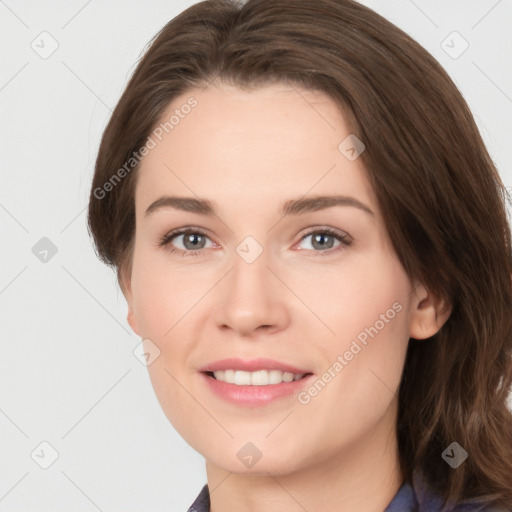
<point>325,238</point>
<point>193,241</point>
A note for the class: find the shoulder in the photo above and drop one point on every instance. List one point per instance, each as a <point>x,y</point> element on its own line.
<point>428,501</point>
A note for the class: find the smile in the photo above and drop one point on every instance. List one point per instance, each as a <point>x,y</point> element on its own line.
<point>257,378</point>
<point>273,385</point>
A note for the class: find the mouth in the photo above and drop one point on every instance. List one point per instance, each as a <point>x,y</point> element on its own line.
<point>256,378</point>
<point>254,382</point>
<point>276,385</point>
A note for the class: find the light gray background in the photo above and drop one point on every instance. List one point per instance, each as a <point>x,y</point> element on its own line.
<point>67,372</point>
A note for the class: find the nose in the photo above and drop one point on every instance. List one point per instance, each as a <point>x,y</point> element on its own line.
<point>252,299</point>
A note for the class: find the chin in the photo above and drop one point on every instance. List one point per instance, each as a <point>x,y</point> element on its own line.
<point>263,463</point>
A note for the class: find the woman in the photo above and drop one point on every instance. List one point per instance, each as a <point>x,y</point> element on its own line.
<point>313,244</point>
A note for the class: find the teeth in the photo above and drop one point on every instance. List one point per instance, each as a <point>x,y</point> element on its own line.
<point>258,378</point>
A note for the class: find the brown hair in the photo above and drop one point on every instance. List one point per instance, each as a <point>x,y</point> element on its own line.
<point>442,199</point>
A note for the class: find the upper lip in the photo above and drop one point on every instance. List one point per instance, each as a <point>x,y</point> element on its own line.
<point>252,365</point>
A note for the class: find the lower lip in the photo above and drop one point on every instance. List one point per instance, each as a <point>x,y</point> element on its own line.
<point>254,395</point>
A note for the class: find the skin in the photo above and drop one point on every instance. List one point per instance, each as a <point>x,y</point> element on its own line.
<point>250,151</point>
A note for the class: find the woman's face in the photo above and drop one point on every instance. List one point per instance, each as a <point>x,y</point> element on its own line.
<point>251,282</point>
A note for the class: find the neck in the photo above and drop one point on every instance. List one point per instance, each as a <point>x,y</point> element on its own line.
<point>364,477</point>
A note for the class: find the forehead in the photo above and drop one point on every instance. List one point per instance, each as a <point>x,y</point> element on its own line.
<point>243,147</point>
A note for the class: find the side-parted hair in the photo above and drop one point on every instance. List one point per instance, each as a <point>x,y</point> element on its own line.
<point>440,194</point>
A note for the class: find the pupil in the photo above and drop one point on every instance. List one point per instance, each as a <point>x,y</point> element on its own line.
<point>191,239</point>
<point>322,237</point>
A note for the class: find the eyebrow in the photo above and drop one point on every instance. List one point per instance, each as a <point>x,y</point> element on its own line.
<point>316,203</point>
<point>291,207</point>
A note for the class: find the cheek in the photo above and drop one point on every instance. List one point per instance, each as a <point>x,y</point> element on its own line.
<point>373,310</point>
<point>367,293</point>
<point>162,304</point>
<point>368,311</point>
<point>160,299</point>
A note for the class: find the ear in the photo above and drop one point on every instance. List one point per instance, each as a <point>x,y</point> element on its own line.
<point>428,313</point>
<point>126,288</point>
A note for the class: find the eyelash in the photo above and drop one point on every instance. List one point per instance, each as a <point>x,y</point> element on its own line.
<point>167,238</point>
